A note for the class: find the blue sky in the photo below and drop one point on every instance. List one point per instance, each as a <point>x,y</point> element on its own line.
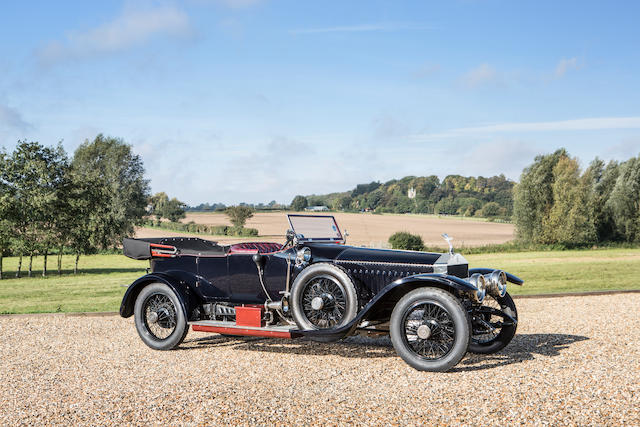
<point>249,100</point>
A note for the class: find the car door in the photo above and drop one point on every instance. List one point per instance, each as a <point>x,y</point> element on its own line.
<point>243,281</point>
<point>214,269</point>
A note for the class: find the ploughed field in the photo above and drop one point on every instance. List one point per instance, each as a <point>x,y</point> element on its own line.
<point>364,229</point>
<point>573,361</point>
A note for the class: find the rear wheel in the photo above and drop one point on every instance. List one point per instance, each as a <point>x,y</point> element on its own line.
<point>430,329</point>
<point>159,318</point>
<point>323,296</point>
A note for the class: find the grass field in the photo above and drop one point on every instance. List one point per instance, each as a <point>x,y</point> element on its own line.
<point>98,285</point>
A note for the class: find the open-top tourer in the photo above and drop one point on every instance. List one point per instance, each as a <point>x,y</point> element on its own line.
<point>432,305</point>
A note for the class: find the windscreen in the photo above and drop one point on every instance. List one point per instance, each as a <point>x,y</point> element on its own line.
<point>314,228</point>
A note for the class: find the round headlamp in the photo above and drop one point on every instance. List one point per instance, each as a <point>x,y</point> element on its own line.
<point>497,283</point>
<point>303,256</point>
<point>479,282</point>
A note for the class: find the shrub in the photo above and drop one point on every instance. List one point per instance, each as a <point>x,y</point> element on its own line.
<point>238,215</point>
<point>404,240</point>
<point>241,231</point>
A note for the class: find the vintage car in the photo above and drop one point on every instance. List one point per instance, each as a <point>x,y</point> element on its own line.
<point>432,305</point>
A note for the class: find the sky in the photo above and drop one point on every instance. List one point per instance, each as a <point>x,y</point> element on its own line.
<point>258,100</point>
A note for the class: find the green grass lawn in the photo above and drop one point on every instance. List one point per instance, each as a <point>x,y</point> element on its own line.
<point>567,271</point>
<point>97,287</point>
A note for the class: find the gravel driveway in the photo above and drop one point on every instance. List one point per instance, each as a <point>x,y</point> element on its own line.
<point>574,361</point>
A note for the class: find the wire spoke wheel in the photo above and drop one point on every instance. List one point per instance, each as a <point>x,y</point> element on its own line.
<point>487,326</point>
<point>494,324</point>
<point>160,317</point>
<point>429,330</point>
<point>324,302</point>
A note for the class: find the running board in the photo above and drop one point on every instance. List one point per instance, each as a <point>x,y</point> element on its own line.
<point>230,328</point>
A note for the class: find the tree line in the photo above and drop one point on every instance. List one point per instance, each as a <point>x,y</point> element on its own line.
<point>490,197</point>
<point>53,204</point>
<point>558,203</point>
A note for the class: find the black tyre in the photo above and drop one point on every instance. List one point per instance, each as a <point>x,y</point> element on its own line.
<point>159,318</point>
<point>323,296</point>
<point>484,341</point>
<point>430,329</point>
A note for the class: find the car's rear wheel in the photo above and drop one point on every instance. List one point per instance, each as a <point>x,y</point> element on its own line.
<point>323,296</point>
<point>159,318</point>
<point>430,329</point>
<point>491,332</point>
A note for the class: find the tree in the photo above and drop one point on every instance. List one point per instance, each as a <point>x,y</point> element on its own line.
<point>299,203</point>
<point>491,210</point>
<point>111,177</point>
<point>601,180</point>
<point>174,210</point>
<point>238,215</point>
<point>407,241</point>
<point>533,196</point>
<point>5,239</point>
<point>5,212</point>
<point>163,207</point>
<point>569,220</point>
<point>158,202</point>
<point>343,202</point>
<point>625,200</point>
<point>33,178</point>
<point>447,206</point>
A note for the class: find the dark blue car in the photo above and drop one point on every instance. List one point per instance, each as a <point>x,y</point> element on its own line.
<point>432,305</point>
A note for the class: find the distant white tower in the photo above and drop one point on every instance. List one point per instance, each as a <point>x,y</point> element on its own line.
<point>411,193</point>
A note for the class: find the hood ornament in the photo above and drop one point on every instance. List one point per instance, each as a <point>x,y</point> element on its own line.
<point>448,239</point>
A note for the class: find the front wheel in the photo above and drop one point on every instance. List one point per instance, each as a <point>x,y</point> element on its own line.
<point>430,329</point>
<point>159,318</point>
<point>492,331</point>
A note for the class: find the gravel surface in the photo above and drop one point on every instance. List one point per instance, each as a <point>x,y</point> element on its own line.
<point>574,361</point>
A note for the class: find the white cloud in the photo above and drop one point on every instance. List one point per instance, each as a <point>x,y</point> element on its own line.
<point>481,75</point>
<point>595,123</point>
<point>507,157</point>
<point>133,27</point>
<point>565,65</point>
<point>11,118</point>
<point>364,28</point>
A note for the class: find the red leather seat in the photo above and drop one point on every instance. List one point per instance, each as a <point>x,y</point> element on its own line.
<point>253,247</point>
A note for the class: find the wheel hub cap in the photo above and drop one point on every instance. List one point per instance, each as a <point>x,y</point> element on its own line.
<point>152,317</point>
<point>317,303</point>
<point>424,332</point>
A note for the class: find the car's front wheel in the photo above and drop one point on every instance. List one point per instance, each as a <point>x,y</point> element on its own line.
<point>492,332</point>
<point>430,329</point>
<point>159,318</point>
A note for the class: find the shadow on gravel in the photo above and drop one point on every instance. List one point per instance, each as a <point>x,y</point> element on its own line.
<point>357,347</point>
<point>523,347</point>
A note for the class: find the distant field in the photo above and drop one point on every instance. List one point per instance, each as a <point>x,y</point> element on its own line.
<point>98,286</point>
<point>366,229</point>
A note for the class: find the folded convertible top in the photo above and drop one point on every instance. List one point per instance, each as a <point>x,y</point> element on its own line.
<point>170,247</point>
